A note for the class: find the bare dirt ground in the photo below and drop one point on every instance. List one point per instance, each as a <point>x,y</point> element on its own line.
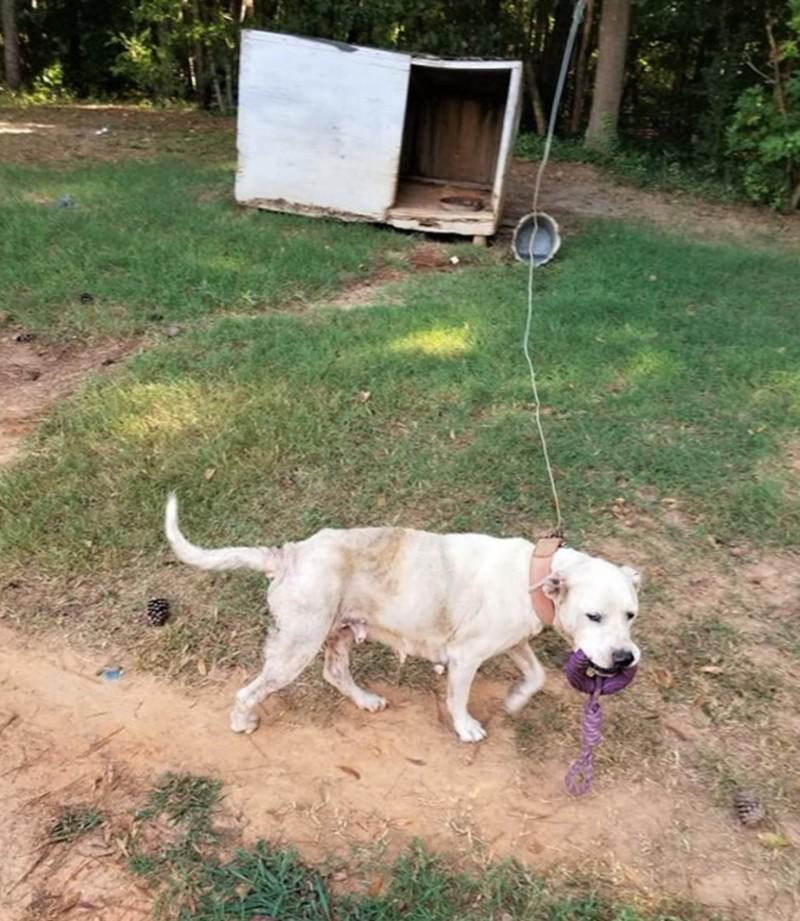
<point>354,783</point>
<point>72,135</point>
<point>573,191</point>
<point>34,375</point>
<point>363,784</point>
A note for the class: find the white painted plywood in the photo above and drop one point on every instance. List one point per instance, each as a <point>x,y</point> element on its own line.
<point>319,125</point>
<point>510,128</point>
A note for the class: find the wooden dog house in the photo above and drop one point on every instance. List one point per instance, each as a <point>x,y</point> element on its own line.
<point>416,142</point>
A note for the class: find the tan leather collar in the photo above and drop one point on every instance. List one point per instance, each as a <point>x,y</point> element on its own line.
<point>541,566</point>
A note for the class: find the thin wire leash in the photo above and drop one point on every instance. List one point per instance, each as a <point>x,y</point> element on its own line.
<point>562,76</point>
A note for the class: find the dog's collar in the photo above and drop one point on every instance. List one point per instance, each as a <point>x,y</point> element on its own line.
<point>541,566</point>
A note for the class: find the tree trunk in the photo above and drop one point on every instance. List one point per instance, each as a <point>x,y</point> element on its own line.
<point>581,68</point>
<point>539,120</point>
<point>614,25</point>
<point>10,44</point>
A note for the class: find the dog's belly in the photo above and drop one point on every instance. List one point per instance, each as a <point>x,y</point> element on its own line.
<point>424,648</point>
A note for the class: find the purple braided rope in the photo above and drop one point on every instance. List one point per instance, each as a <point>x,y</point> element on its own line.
<point>583,676</point>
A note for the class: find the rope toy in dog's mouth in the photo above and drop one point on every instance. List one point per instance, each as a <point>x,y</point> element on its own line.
<point>586,677</point>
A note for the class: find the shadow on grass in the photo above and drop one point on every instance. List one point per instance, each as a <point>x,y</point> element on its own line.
<point>684,388</point>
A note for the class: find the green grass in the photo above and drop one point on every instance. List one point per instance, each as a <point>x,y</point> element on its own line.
<point>176,862</point>
<point>75,822</point>
<point>159,239</point>
<point>192,882</point>
<point>684,388</point>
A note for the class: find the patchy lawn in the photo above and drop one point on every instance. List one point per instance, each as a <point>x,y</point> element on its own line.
<point>669,396</point>
<point>149,244</point>
<point>668,370</point>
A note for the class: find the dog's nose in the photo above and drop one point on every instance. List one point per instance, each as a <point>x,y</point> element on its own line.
<point>622,658</point>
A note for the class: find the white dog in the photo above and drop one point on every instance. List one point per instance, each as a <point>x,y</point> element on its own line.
<point>455,599</point>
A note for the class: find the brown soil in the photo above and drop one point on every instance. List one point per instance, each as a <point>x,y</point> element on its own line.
<point>34,375</point>
<point>573,191</point>
<point>364,782</point>
<point>68,135</point>
<point>426,256</point>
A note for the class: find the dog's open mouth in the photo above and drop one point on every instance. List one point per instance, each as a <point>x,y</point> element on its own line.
<point>592,669</point>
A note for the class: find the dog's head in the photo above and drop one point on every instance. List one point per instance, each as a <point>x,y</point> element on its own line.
<point>596,604</point>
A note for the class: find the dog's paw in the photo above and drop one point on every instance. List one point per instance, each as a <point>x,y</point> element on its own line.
<point>372,702</point>
<point>470,730</point>
<point>516,701</point>
<point>243,722</point>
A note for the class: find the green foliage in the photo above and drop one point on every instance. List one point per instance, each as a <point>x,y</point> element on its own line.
<point>764,134</point>
<point>690,68</point>
<point>766,141</point>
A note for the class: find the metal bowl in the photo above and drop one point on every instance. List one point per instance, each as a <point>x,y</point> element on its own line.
<point>536,235</point>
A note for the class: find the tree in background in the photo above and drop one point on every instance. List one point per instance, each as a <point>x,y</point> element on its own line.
<point>698,81</point>
<point>764,134</point>
<point>610,74</point>
<point>8,17</point>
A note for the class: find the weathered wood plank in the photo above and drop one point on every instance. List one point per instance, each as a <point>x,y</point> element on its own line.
<point>320,124</point>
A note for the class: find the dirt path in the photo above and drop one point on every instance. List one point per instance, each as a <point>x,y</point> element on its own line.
<point>370,782</point>
<point>579,190</point>
<point>35,375</point>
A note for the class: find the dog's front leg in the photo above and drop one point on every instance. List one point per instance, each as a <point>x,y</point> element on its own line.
<point>460,675</point>
<point>532,677</point>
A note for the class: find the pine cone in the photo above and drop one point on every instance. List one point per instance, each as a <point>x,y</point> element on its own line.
<point>157,612</point>
<point>749,810</point>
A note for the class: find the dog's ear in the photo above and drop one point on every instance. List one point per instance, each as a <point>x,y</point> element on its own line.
<point>555,586</point>
<point>633,575</point>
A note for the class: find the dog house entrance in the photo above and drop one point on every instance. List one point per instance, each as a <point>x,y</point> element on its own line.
<point>451,149</point>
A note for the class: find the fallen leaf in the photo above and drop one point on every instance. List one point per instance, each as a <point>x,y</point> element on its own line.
<point>202,667</point>
<point>348,770</point>
<point>681,729</point>
<point>663,676</point>
<point>375,887</point>
<point>209,473</point>
<point>774,840</point>
<point>364,396</point>
<point>712,669</point>
<point>70,901</point>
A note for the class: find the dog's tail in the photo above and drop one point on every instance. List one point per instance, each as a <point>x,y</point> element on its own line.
<point>262,559</point>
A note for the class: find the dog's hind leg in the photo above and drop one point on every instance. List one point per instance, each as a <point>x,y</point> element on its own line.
<point>290,647</point>
<point>532,677</point>
<point>336,671</point>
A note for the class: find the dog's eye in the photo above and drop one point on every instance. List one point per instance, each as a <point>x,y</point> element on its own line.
<point>630,615</point>
<point>595,618</point>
